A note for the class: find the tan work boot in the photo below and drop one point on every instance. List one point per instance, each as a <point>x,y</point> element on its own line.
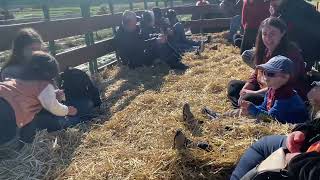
<point>191,122</point>
<point>182,142</point>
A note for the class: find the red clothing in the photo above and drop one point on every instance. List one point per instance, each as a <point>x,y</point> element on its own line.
<point>23,98</point>
<point>284,92</point>
<point>254,12</point>
<point>298,79</point>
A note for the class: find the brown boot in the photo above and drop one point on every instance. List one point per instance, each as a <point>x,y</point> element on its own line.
<point>180,140</point>
<point>189,119</point>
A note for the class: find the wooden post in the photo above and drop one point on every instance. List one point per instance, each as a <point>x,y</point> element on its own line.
<point>165,3</point>
<point>171,3</point>
<point>46,14</point>
<point>114,28</point>
<point>85,12</point>
<point>157,3</point>
<point>110,2</point>
<point>131,5</point>
<point>145,3</point>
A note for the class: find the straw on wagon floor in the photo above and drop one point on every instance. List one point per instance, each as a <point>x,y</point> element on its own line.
<point>143,108</point>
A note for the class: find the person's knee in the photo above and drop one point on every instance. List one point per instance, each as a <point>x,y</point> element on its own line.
<point>268,144</point>
<point>237,42</point>
<point>247,57</point>
<point>233,88</point>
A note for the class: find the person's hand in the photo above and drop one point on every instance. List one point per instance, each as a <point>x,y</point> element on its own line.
<point>244,106</point>
<point>289,156</point>
<point>246,91</point>
<point>60,95</point>
<point>72,111</point>
<point>295,141</point>
<point>162,39</point>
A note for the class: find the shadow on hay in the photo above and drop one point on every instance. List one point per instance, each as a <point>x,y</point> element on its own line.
<point>137,82</point>
<point>188,166</point>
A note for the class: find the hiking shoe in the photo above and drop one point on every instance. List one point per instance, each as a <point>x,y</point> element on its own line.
<point>210,114</point>
<point>233,113</point>
<point>204,146</point>
<point>188,118</point>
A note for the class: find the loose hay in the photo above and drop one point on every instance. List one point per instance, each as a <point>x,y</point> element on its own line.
<point>145,109</point>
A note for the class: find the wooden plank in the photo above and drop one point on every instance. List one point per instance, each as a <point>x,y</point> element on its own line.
<point>196,9</point>
<point>83,54</point>
<point>209,23</point>
<point>60,28</point>
<point>30,20</point>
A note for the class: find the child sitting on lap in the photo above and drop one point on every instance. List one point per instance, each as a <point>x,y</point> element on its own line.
<point>281,102</point>
<point>22,99</point>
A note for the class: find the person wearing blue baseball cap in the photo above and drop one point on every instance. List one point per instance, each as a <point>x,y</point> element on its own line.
<point>281,102</point>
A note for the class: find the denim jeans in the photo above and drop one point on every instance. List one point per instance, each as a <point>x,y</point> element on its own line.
<point>235,26</point>
<point>51,122</point>
<point>258,152</point>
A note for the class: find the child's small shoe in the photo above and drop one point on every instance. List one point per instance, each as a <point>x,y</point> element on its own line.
<point>210,114</point>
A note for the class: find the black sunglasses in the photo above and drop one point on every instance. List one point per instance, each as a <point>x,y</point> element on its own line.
<point>269,74</point>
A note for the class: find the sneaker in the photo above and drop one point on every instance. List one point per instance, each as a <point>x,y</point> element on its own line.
<point>210,114</point>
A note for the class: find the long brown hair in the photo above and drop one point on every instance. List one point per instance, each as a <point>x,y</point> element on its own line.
<point>282,47</point>
<point>24,38</point>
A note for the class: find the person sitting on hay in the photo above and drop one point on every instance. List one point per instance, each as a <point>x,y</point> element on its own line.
<point>281,102</point>
<point>178,37</point>
<point>135,51</point>
<point>22,99</point>
<point>272,40</point>
<point>298,153</point>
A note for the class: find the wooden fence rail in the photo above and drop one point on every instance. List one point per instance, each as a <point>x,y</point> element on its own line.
<point>58,29</point>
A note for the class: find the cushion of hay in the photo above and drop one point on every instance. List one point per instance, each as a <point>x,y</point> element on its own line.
<point>143,110</point>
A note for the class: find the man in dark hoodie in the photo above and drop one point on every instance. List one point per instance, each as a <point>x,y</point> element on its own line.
<point>135,51</point>
<point>303,22</point>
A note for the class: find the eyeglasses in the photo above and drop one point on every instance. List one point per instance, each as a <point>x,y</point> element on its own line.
<point>269,74</point>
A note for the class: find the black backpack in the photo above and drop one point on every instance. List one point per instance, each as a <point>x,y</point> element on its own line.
<point>77,84</point>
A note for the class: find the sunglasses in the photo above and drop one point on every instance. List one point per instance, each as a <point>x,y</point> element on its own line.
<point>269,74</point>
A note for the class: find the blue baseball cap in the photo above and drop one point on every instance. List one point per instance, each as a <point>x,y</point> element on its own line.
<point>278,64</point>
